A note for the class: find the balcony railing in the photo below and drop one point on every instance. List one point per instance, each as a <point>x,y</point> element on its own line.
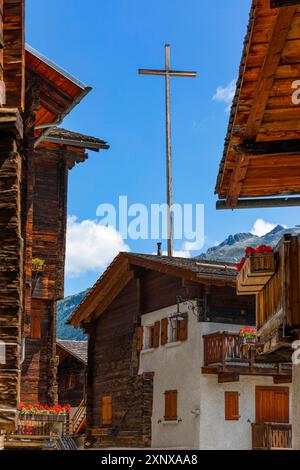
<point>223,348</point>
<point>225,355</point>
<point>272,436</point>
<point>40,425</point>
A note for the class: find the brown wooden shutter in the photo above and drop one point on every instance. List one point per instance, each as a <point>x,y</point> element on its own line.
<point>164,331</point>
<point>35,325</point>
<point>106,410</point>
<point>183,330</point>
<point>139,338</point>
<point>232,406</point>
<point>272,405</point>
<point>171,405</point>
<point>156,334</point>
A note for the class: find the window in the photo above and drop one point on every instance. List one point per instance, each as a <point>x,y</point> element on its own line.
<point>153,334</point>
<point>70,383</point>
<point>171,405</point>
<point>179,329</point>
<point>150,336</point>
<point>106,410</point>
<point>35,325</point>
<point>232,406</point>
<point>164,331</point>
<point>139,338</point>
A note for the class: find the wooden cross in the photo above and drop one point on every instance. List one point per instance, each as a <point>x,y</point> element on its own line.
<point>167,73</point>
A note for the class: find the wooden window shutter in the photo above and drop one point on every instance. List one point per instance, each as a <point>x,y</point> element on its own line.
<point>70,381</point>
<point>106,410</point>
<point>156,334</point>
<point>164,331</point>
<point>139,338</point>
<point>183,330</point>
<point>232,406</point>
<point>35,326</point>
<point>171,405</point>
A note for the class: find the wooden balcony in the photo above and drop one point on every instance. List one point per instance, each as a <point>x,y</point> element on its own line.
<point>37,432</point>
<point>225,356</point>
<point>272,436</point>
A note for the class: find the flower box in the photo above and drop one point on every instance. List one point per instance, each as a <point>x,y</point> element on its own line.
<point>255,273</point>
<point>38,264</point>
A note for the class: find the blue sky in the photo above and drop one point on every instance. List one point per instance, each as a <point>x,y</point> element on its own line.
<point>103,44</point>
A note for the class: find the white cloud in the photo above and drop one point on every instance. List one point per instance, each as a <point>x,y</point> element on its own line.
<point>225,94</point>
<point>90,246</point>
<point>261,227</point>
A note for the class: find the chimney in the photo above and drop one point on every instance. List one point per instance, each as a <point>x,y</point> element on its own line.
<point>159,249</point>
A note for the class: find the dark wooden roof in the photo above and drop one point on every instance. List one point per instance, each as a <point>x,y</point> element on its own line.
<point>120,272</point>
<point>61,136</point>
<point>262,152</point>
<point>77,349</point>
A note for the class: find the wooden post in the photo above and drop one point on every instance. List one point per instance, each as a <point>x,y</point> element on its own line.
<point>167,73</point>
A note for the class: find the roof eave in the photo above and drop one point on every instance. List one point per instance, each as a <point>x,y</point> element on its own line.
<point>75,143</point>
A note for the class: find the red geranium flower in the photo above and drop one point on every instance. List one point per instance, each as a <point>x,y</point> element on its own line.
<point>249,251</point>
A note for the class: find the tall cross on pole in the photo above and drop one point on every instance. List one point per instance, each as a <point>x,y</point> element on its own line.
<point>167,73</point>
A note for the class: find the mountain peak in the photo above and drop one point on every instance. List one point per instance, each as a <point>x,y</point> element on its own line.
<point>233,248</point>
<point>275,230</point>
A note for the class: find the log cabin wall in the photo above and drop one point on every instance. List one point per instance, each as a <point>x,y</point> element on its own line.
<point>14,53</point>
<point>220,304</point>
<point>1,49</point>
<point>48,238</point>
<point>112,373</point>
<point>11,242</point>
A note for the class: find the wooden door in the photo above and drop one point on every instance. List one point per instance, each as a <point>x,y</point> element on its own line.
<point>272,405</point>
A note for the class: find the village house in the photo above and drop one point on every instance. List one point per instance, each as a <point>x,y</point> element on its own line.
<point>36,155</point>
<point>71,372</point>
<point>166,367</point>
<point>261,168</point>
<point>71,380</point>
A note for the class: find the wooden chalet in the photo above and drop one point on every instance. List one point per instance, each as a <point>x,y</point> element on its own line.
<point>71,380</point>
<point>72,369</point>
<point>261,165</point>
<point>261,168</point>
<point>119,399</point>
<point>261,162</point>
<point>35,96</point>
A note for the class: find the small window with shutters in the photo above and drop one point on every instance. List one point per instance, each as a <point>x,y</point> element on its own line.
<point>232,406</point>
<point>149,337</point>
<point>171,405</point>
<point>179,329</point>
<point>153,336</point>
<point>164,331</point>
<point>106,410</point>
<point>35,325</point>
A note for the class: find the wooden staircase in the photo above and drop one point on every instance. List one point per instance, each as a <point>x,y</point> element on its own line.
<point>78,421</point>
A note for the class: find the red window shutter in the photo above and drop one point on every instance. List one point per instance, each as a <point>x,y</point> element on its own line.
<point>232,406</point>
<point>139,338</point>
<point>164,331</point>
<point>106,410</point>
<point>171,405</point>
<point>156,334</point>
<point>183,330</point>
<point>35,326</point>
